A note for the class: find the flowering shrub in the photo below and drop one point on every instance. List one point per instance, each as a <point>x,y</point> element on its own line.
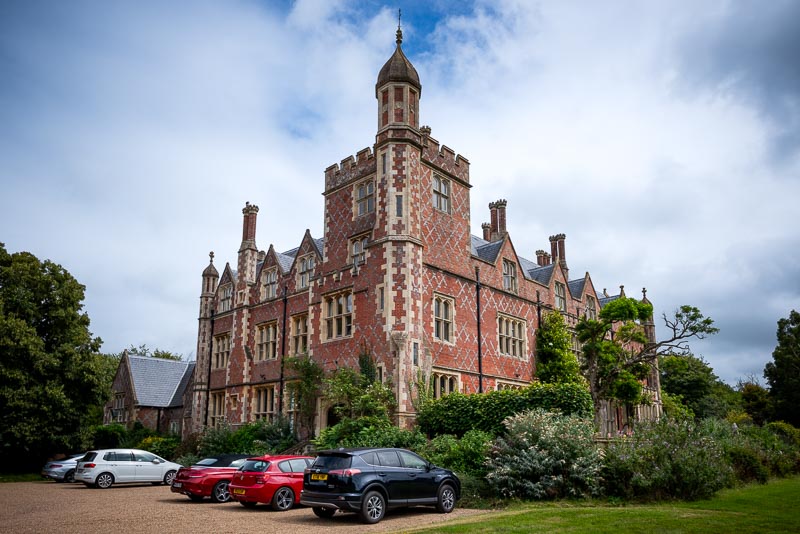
<point>669,459</point>
<point>545,455</point>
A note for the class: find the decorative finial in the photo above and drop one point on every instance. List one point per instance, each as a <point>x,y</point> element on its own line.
<point>399,31</point>
<point>644,292</point>
<point>211,256</point>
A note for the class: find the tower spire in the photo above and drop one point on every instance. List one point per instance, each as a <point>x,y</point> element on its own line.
<point>399,31</point>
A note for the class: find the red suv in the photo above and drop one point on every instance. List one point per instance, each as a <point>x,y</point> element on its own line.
<point>271,479</point>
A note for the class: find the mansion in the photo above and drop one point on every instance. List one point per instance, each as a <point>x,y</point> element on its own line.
<point>396,272</point>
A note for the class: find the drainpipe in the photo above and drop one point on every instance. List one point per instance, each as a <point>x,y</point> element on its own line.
<point>208,376</point>
<point>283,348</point>
<point>480,339</point>
<point>538,325</point>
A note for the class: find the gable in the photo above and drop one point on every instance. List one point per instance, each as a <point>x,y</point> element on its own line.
<point>157,382</point>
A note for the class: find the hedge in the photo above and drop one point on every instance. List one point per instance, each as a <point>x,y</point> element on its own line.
<point>458,413</point>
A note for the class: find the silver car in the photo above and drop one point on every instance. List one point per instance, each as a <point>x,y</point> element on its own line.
<point>106,467</point>
<point>62,470</point>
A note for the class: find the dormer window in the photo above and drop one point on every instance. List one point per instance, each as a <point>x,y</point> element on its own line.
<point>441,194</point>
<point>365,198</point>
<point>271,283</point>
<point>305,271</point>
<point>226,298</point>
<point>510,276</point>
<point>561,297</point>
<point>591,308</point>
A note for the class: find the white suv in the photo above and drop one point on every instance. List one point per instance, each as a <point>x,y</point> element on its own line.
<point>103,468</point>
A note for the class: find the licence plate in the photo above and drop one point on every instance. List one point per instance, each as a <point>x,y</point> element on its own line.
<point>176,484</point>
<point>238,491</point>
<point>318,476</point>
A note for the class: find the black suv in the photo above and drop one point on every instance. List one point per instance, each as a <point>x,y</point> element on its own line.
<point>370,480</point>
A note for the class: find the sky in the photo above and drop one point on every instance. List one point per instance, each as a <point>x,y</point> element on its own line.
<point>662,137</point>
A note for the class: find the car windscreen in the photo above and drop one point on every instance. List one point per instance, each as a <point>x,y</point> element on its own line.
<point>332,461</point>
<point>254,466</point>
<point>205,462</point>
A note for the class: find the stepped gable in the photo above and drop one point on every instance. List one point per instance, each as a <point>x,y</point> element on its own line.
<point>350,169</point>
<point>444,157</point>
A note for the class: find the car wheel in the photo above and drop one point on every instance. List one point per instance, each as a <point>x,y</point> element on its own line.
<point>283,499</point>
<point>220,492</point>
<point>195,498</point>
<point>104,480</point>
<point>324,513</point>
<point>373,508</point>
<point>248,504</point>
<point>446,500</point>
<point>69,477</point>
<point>169,477</point>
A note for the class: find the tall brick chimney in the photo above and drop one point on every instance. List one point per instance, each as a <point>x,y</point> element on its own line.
<point>540,261</point>
<point>487,231</point>
<point>558,250</point>
<point>497,210</point>
<point>248,251</point>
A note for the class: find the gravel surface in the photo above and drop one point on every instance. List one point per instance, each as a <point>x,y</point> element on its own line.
<point>51,507</point>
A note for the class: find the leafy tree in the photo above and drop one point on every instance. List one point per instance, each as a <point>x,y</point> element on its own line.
<point>755,400</point>
<point>692,380</point>
<point>617,355</point>
<point>556,363</point>
<point>355,394</point>
<point>304,387</point>
<point>783,373</point>
<point>49,371</point>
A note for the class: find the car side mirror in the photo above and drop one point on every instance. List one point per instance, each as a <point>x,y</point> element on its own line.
<point>155,461</point>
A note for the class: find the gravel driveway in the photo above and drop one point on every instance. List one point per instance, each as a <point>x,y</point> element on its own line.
<point>51,507</point>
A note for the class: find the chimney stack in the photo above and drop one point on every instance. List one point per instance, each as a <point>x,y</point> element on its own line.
<point>248,252</point>
<point>559,251</point>
<point>487,231</point>
<point>497,210</point>
<point>540,261</point>
<point>250,211</point>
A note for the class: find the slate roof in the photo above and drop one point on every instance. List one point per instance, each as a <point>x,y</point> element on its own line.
<point>576,286</point>
<point>542,274</point>
<point>606,300</point>
<point>485,250</point>
<point>158,382</point>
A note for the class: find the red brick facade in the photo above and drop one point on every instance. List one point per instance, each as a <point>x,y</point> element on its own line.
<point>405,204</point>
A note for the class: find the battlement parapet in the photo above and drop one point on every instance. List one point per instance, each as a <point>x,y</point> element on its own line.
<point>350,169</point>
<point>444,157</point>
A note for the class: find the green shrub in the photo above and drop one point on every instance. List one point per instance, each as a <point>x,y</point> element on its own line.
<point>458,413</point>
<point>372,431</point>
<point>187,459</point>
<point>545,455</point>
<point>746,465</point>
<point>108,436</point>
<point>785,431</point>
<point>217,440</point>
<point>476,492</point>
<point>164,447</point>
<point>668,459</point>
<point>467,455</point>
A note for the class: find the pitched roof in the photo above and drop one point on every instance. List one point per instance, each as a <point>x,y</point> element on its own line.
<point>542,274</point>
<point>159,382</point>
<point>576,286</point>
<point>606,300</point>
<point>485,250</point>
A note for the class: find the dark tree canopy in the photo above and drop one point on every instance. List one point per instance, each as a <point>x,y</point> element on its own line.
<point>50,373</point>
<point>144,350</point>
<point>693,380</point>
<point>783,373</point>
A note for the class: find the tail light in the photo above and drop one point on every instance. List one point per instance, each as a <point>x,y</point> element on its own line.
<point>55,465</point>
<point>89,466</point>
<point>345,472</point>
<point>261,479</point>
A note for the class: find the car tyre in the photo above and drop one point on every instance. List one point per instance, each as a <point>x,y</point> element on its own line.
<point>69,476</point>
<point>104,480</point>
<point>324,513</point>
<point>220,493</point>
<point>373,507</point>
<point>283,499</point>
<point>248,504</point>
<point>169,477</point>
<point>446,499</point>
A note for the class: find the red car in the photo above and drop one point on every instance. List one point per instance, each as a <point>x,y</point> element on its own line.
<point>208,478</point>
<point>271,479</point>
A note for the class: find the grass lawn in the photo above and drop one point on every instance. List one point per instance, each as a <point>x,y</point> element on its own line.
<point>774,507</point>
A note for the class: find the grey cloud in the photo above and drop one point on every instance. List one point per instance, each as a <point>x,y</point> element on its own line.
<point>752,52</point>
